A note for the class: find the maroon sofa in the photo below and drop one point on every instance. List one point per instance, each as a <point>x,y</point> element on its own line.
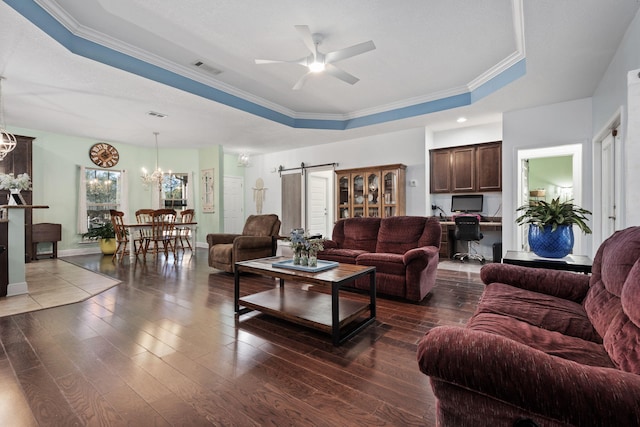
<point>545,347</point>
<point>404,250</point>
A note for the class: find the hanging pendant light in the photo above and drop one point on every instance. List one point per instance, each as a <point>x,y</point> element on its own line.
<point>156,176</point>
<point>8,141</point>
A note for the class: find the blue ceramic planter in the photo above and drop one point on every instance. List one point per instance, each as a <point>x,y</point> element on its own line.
<point>548,244</point>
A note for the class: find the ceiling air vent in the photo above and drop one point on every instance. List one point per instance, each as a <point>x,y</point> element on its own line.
<point>156,114</point>
<point>207,68</point>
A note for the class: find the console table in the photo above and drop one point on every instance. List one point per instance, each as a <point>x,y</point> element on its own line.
<point>577,263</point>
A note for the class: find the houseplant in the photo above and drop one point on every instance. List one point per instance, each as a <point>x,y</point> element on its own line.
<point>107,236</point>
<point>551,226</point>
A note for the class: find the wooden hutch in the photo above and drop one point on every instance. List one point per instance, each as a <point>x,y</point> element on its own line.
<point>377,191</point>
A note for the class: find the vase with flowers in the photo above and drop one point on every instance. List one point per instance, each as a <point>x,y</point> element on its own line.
<point>313,246</point>
<point>297,240</point>
<point>14,184</point>
<point>305,248</point>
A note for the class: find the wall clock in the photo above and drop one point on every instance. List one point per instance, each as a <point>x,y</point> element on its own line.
<point>104,155</point>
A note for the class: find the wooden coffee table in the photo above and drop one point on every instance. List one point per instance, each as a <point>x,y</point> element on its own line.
<point>327,313</point>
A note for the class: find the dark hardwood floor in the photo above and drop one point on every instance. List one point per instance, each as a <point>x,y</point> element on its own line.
<point>165,348</point>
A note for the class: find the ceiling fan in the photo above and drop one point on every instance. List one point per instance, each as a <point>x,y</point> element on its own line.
<point>319,62</point>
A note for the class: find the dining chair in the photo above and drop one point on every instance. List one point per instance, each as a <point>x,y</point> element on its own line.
<point>184,233</point>
<point>162,234</point>
<point>122,239</point>
<point>143,216</point>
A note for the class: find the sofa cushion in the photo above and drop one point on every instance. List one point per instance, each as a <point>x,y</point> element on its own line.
<point>541,310</point>
<point>360,234</point>
<point>383,262</point>
<point>341,255</point>
<point>261,225</point>
<point>549,342</point>
<point>400,233</point>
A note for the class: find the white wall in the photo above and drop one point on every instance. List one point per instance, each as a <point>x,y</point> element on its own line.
<point>547,126</point>
<point>611,96</point>
<point>405,147</point>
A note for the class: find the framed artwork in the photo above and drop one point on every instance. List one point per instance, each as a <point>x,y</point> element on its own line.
<point>207,191</point>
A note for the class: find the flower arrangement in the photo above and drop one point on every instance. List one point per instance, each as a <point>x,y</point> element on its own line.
<point>305,249</point>
<point>9,182</point>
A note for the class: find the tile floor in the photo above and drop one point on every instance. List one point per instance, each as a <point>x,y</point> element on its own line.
<point>54,282</point>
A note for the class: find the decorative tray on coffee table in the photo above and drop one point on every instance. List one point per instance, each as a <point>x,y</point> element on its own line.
<point>322,265</point>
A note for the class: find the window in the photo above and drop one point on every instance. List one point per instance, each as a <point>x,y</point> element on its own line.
<point>103,194</point>
<point>174,190</point>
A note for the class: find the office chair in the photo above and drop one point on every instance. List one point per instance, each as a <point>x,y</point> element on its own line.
<point>468,229</point>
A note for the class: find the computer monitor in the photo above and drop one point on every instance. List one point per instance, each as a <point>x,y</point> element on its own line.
<point>467,202</point>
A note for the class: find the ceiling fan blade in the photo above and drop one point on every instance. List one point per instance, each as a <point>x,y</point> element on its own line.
<point>301,81</point>
<point>348,52</point>
<point>307,38</point>
<point>341,74</point>
<point>302,61</point>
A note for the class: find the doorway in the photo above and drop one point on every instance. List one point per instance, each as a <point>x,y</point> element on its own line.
<point>550,158</point>
<point>233,204</point>
<point>319,202</point>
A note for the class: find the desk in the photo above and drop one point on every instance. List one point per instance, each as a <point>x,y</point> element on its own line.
<point>577,263</point>
<point>448,242</point>
<point>133,228</point>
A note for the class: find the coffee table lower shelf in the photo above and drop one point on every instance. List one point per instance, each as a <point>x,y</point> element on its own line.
<point>308,308</point>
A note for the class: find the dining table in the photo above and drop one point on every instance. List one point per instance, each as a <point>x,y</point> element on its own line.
<point>134,228</point>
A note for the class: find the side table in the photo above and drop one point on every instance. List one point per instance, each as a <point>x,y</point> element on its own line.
<point>577,263</point>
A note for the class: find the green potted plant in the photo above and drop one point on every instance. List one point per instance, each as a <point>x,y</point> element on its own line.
<point>107,236</point>
<point>551,226</point>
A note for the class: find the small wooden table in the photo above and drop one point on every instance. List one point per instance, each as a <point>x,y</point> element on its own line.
<point>327,313</point>
<point>577,263</point>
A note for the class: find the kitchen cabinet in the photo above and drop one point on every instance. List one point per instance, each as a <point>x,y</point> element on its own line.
<point>377,191</point>
<point>466,169</point>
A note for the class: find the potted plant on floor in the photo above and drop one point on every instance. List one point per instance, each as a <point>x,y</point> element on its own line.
<point>107,236</point>
<point>551,226</point>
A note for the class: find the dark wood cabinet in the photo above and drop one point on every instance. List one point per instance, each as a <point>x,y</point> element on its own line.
<point>16,162</point>
<point>466,169</point>
<point>463,169</point>
<point>440,171</point>
<point>489,167</point>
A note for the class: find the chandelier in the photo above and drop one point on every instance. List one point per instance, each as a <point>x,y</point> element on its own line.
<point>7,140</point>
<point>156,176</point>
<point>243,160</point>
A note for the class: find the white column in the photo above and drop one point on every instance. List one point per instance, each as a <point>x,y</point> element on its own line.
<point>16,252</point>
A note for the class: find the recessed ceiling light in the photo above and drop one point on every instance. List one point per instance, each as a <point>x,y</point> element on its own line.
<point>461,119</point>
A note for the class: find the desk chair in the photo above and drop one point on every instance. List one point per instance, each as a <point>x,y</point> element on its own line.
<point>468,229</point>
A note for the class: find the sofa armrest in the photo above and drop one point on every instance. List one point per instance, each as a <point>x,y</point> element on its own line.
<point>220,238</point>
<point>514,373</point>
<point>252,242</point>
<point>561,284</point>
<point>424,253</point>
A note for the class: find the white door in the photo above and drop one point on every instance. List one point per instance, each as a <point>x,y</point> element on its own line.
<point>608,207</point>
<point>233,204</point>
<point>318,205</point>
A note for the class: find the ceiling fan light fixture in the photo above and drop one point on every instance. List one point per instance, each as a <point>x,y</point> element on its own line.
<point>316,67</point>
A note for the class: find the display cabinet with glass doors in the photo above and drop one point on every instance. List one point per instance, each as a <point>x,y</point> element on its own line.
<point>377,191</point>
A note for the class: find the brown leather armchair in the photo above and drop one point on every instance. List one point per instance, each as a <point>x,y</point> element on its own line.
<point>258,240</point>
